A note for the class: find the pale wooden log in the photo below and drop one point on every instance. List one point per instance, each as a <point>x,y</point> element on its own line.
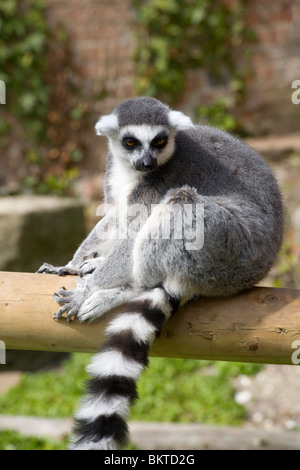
<point>260,325</point>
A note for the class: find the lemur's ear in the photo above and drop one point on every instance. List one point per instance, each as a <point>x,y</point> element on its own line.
<point>179,121</point>
<point>107,125</point>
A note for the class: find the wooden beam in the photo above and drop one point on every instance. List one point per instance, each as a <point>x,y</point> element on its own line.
<point>261,325</point>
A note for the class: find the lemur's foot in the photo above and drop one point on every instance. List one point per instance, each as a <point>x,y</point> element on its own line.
<point>70,301</point>
<point>60,270</point>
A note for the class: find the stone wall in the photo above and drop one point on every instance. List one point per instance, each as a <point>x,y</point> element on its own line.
<point>103,44</point>
<point>101,35</point>
<point>274,64</point>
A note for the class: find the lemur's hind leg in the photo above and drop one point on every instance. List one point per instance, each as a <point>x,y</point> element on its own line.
<point>195,245</point>
<point>102,301</point>
<point>107,286</point>
<point>163,247</point>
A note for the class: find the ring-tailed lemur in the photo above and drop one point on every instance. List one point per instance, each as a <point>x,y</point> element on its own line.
<point>159,161</point>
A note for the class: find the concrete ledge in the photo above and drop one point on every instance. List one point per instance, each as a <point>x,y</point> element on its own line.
<point>35,229</point>
<point>274,147</point>
<point>167,436</point>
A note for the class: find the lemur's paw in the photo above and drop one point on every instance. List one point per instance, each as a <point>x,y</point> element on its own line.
<point>48,269</point>
<point>90,265</point>
<point>91,308</point>
<point>60,270</point>
<point>70,301</point>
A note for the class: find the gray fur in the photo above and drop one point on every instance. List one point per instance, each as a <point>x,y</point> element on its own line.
<point>142,111</point>
<point>137,253</point>
<point>243,221</point>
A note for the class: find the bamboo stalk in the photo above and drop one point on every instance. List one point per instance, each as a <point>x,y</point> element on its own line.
<point>261,325</point>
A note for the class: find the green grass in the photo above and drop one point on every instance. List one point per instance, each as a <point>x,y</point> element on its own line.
<point>10,440</point>
<point>50,394</point>
<point>189,391</point>
<point>173,390</point>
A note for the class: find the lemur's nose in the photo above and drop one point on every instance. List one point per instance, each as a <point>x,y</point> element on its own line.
<point>147,163</point>
<point>149,166</point>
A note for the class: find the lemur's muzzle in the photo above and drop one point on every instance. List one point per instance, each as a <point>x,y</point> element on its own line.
<point>147,163</point>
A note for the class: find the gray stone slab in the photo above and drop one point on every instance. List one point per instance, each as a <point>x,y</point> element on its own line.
<point>35,229</point>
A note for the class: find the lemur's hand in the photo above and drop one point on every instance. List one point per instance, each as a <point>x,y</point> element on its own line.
<point>60,270</point>
<point>90,265</point>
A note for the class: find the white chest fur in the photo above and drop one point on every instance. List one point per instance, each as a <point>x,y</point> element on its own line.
<point>122,181</point>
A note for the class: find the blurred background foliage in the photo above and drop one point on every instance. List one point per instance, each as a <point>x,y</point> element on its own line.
<point>46,108</point>
<point>23,63</point>
<point>172,40</point>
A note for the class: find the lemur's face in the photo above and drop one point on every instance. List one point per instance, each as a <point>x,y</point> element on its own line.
<point>148,145</point>
<point>145,147</point>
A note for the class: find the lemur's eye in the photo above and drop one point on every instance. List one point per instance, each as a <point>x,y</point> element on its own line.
<point>159,142</point>
<point>129,142</point>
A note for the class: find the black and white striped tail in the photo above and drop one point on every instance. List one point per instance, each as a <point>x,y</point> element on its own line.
<point>101,423</point>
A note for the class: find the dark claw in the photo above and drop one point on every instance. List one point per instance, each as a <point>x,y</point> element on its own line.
<point>59,300</point>
<point>63,292</point>
<point>62,272</point>
<point>69,318</point>
<point>57,315</point>
<point>72,313</point>
<point>47,269</point>
<point>67,271</point>
<point>44,271</point>
<point>61,311</point>
<point>87,272</point>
